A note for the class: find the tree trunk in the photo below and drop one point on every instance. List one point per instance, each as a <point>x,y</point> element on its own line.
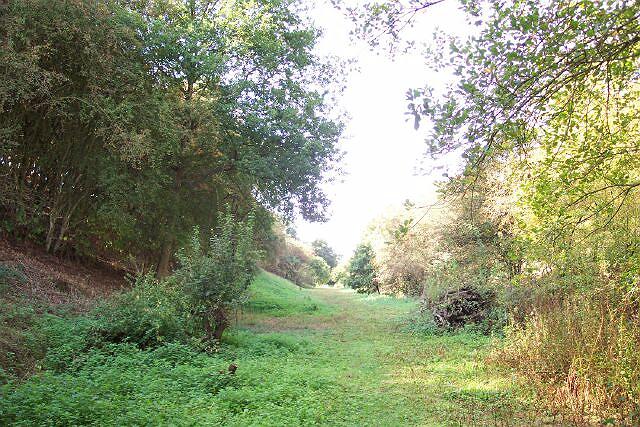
<point>208,328</point>
<point>63,230</point>
<point>164,262</point>
<point>50,232</point>
<point>221,321</point>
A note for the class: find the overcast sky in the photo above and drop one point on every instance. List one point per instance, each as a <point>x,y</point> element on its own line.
<point>383,150</point>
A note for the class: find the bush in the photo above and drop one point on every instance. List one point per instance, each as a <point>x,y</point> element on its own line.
<point>216,278</point>
<point>118,385</point>
<point>16,358</point>
<point>63,342</point>
<point>362,273</point>
<point>151,313</point>
<point>421,322</point>
<point>320,270</point>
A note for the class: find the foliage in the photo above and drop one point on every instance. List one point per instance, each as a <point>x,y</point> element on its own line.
<point>169,112</point>
<point>406,251</point>
<point>338,275</point>
<point>544,109</point>
<point>544,212</point>
<point>292,259</point>
<point>151,313</point>
<point>215,278</point>
<point>322,249</point>
<point>16,359</point>
<point>582,353</point>
<point>362,274</point>
<point>320,270</point>
<point>112,384</point>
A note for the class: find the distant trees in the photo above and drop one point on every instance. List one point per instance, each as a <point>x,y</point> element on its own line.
<point>125,124</point>
<point>362,273</point>
<point>322,249</point>
<point>320,270</point>
<point>292,259</point>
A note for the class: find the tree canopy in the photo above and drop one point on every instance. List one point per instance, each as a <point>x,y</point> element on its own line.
<point>322,249</point>
<point>544,211</point>
<point>169,111</point>
<point>362,272</point>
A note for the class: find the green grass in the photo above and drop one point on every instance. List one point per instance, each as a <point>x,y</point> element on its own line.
<point>275,296</point>
<point>346,362</point>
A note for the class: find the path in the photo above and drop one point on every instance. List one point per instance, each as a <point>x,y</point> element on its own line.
<point>381,375</point>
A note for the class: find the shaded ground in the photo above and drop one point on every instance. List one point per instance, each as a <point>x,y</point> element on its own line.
<point>32,283</point>
<point>27,271</point>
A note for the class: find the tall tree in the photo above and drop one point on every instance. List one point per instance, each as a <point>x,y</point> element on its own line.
<point>362,272</point>
<point>172,109</point>
<point>60,107</point>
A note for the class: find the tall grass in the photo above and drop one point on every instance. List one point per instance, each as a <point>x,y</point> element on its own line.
<point>583,355</point>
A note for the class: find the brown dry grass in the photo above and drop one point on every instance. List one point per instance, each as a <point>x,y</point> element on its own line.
<point>583,357</point>
<point>55,281</point>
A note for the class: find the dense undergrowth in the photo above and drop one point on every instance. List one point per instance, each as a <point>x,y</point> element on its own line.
<point>137,360</point>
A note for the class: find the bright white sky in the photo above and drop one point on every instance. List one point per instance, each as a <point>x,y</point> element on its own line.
<point>383,150</point>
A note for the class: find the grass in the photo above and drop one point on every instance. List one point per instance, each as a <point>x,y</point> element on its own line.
<point>345,362</point>
<point>274,296</point>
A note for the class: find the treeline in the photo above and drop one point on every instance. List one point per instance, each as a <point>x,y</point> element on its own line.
<point>124,124</point>
<point>305,265</point>
<point>537,237</point>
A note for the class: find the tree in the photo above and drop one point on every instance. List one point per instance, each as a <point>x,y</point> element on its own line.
<point>171,111</point>
<point>320,270</point>
<point>362,274</point>
<point>238,80</point>
<point>60,109</point>
<point>216,277</point>
<point>524,81</point>
<point>546,99</point>
<point>322,249</point>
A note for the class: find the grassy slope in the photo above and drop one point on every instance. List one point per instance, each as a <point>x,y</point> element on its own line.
<point>305,357</point>
<point>278,297</point>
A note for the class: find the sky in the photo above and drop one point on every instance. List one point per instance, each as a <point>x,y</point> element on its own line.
<point>383,151</point>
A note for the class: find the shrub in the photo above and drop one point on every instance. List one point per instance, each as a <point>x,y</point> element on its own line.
<point>16,359</point>
<point>362,274</point>
<point>322,249</point>
<point>216,279</point>
<point>62,342</point>
<point>118,385</point>
<point>421,322</point>
<point>320,270</point>
<point>151,313</point>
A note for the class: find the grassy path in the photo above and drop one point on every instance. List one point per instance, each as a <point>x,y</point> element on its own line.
<point>378,374</point>
<point>304,357</point>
